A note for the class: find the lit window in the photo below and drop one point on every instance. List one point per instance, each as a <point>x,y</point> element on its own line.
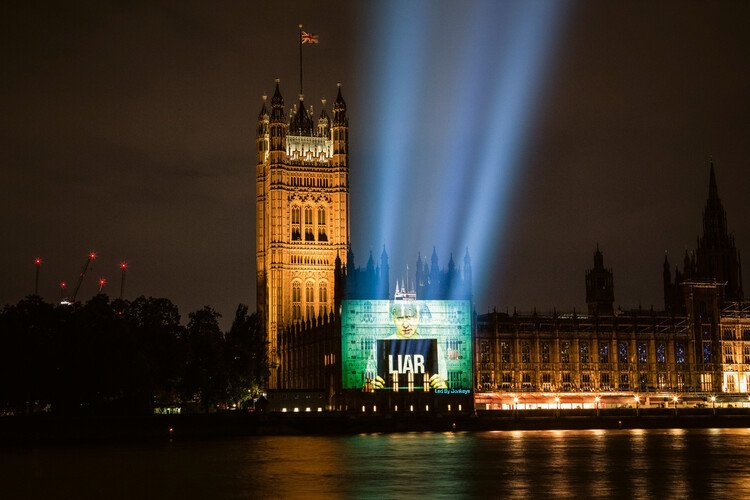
<point>604,353</point>
<point>642,353</point>
<point>622,352</point>
<point>310,299</point>
<point>309,224</point>
<point>296,299</point>
<point>296,234</point>
<point>505,352</point>
<point>565,352</point>
<point>583,350</point>
<point>322,236</point>
<point>545,352</point>
<point>525,352</point>
<point>728,354</point>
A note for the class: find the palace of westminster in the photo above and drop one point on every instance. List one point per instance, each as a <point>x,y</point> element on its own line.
<point>696,347</point>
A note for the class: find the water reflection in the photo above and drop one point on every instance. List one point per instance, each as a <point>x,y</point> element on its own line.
<point>634,463</point>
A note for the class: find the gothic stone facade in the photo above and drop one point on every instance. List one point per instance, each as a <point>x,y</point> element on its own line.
<point>302,214</point>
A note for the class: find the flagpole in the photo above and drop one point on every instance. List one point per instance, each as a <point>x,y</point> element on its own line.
<point>299,39</point>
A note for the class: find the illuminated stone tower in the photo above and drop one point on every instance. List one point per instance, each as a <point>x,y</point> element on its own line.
<point>302,213</point>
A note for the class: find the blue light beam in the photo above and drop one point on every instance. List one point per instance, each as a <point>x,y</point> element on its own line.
<point>452,103</point>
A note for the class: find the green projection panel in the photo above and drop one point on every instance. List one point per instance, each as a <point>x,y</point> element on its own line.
<point>406,345</point>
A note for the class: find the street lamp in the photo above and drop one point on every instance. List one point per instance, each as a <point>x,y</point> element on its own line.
<point>637,400</point>
<point>557,400</point>
<point>596,401</point>
<point>675,399</point>
<point>713,405</point>
<point>515,405</point>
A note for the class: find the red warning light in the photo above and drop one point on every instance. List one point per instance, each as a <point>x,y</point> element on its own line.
<point>102,281</point>
<point>123,265</point>
<point>63,284</point>
<point>92,255</point>
<point>37,261</point>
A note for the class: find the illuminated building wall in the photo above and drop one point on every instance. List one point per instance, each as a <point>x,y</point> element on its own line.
<point>302,214</point>
<point>734,348</point>
<point>639,351</point>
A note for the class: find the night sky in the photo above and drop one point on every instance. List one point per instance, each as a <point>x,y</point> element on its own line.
<point>128,128</point>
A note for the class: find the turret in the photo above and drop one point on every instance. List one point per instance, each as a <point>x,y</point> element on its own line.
<point>262,133</point>
<point>600,287</point>
<point>667,284</point>
<point>716,258</point>
<point>324,122</point>
<point>418,281</point>
<point>340,131</point>
<point>277,124</point>
<point>468,279</point>
<point>300,123</point>
<point>434,269</point>
<point>385,272</point>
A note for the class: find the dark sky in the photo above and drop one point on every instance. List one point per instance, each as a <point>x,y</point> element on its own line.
<point>128,128</point>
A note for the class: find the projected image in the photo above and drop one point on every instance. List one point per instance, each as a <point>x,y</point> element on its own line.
<point>410,345</point>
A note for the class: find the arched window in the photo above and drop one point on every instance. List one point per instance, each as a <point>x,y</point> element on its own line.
<point>296,233</point>
<point>296,301</point>
<point>323,298</point>
<point>309,236</point>
<point>310,299</point>
<point>525,352</point>
<point>322,236</point>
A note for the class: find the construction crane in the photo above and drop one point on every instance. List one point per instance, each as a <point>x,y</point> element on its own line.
<point>38,263</point>
<point>92,256</point>
<point>123,267</point>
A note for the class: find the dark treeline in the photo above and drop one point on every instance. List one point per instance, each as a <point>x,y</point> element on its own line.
<point>121,357</point>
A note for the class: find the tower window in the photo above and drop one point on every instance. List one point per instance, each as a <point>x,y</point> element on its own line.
<point>296,299</point>
<point>322,236</point>
<point>309,299</point>
<point>309,236</point>
<point>296,234</point>
<point>322,299</point>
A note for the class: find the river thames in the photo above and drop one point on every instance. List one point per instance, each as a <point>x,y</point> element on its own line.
<point>673,463</point>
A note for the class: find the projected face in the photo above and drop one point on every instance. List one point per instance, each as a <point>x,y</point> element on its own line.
<point>405,316</point>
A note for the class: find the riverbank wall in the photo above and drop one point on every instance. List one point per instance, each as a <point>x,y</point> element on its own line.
<point>49,429</point>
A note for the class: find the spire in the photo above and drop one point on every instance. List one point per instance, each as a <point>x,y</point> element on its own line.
<point>715,234</point>
<point>598,258</point>
<point>713,191</point>
<point>324,122</point>
<point>263,110</point>
<point>467,259</point>
<point>385,272</point>
<point>339,109</point>
<point>277,104</point>
<point>300,122</point>
<point>370,264</point>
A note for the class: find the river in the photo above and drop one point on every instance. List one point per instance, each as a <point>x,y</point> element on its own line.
<point>673,463</point>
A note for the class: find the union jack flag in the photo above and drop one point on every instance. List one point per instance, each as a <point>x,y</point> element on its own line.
<point>309,37</point>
